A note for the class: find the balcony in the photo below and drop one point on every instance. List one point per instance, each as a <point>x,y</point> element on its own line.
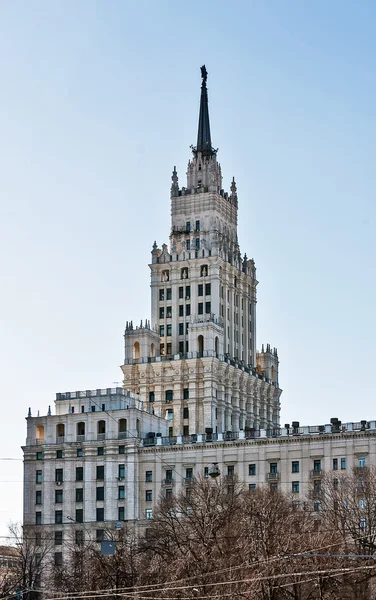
<point>316,473</point>
<point>39,441</point>
<point>80,438</point>
<point>189,480</point>
<point>101,436</point>
<point>122,435</point>
<point>60,439</point>
<point>168,482</point>
<point>229,478</point>
<point>272,476</point>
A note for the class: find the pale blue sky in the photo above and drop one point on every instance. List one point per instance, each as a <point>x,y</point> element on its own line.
<point>98,101</point>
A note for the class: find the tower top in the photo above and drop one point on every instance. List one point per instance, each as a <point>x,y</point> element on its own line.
<point>203,136</point>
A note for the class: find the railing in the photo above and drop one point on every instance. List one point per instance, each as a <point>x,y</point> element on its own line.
<point>316,473</point>
<point>101,436</point>
<point>122,435</point>
<point>39,441</point>
<point>229,478</point>
<point>189,480</point>
<point>81,437</point>
<point>60,439</point>
<point>168,481</point>
<point>272,476</point>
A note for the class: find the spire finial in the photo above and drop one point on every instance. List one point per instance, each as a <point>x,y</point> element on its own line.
<point>203,136</point>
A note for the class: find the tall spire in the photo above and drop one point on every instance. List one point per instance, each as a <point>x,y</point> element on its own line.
<point>203,137</point>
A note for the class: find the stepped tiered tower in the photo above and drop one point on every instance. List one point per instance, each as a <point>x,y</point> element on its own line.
<point>196,361</point>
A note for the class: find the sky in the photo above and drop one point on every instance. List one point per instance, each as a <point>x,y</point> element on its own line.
<point>99,100</point>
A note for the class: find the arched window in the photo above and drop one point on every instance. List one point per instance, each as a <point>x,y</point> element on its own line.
<point>200,345</point>
<point>152,350</point>
<point>122,428</point>
<point>60,432</point>
<point>101,430</point>
<point>40,434</point>
<point>80,431</point>
<point>136,351</point>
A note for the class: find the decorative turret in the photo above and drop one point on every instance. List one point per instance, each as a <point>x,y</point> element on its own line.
<point>267,363</point>
<point>175,184</point>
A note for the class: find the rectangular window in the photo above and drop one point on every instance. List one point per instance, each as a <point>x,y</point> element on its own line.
<point>185,412</point>
<point>122,448</point>
<point>100,472</point>
<point>148,495</point>
<point>169,312</point>
<point>169,331</point>
<point>188,244</point>
<point>197,225</point>
<point>188,310</point>
<point>93,408</point>
<point>295,487</point>
<point>361,461</point>
<point>273,468</point>
<point>181,292</point>
<point>149,513</point>
<point>197,243</point>
<point>79,537</point>
<point>59,454</point>
<point>200,308</point>
<point>169,348</point>
<point>207,289</point>
<point>100,494</point>
<point>295,466</point>
<point>230,470</point>
<point>185,430</point>
<point>38,497</point>
<point>169,493</point>
<point>79,515</point>
<point>187,292</point>
<point>161,330</point>
<point>206,472</point>
<point>38,476</point>
<point>39,456</point>
<point>252,469</point>
<point>188,226</point>
<point>99,535</point>
<point>100,451</point>
<point>335,464</point>
<point>252,487</point>
<point>181,347</point>
<point>121,471</point>
<point>169,474</point>
<point>208,307</point>
<point>186,393</point>
<point>169,414</point>
<point>79,473</point>
<point>169,395</point>
<point>181,328</point>
<point>59,475</point>
<point>168,294</point>
<point>161,295</point>
<point>161,312</point>
<point>58,538</point>
<point>181,310</point>
<point>100,514</point>
<point>189,473</point>
<point>121,513</point>
<point>149,476</point>
<point>200,289</point>
<point>121,494</point>
<point>80,452</point>
<point>58,496</point>
<point>161,350</point>
<point>38,518</point>
<point>79,494</point>
<point>58,559</point>
<point>317,465</point>
<point>343,463</point>
<point>58,517</point>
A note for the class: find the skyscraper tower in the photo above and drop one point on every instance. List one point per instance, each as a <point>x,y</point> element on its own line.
<point>196,362</point>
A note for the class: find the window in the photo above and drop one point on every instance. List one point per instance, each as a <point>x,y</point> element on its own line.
<point>295,487</point>
<point>80,452</point>
<point>252,487</point>
<point>197,243</point>
<point>185,430</point>
<point>39,456</point>
<point>58,517</point>
<point>317,485</point>
<point>100,514</point>
<point>168,493</point>
<point>335,464</point>
<point>200,289</point>
<point>189,473</point>
<point>343,463</point>
<point>169,348</point>
<point>181,292</point>
<point>185,412</point>
<point>252,469</point>
<point>100,494</point>
<point>161,330</point>
<point>295,466</point>
<point>79,537</point>
<point>206,472</point>
<point>38,539</point>
<point>207,289</point>
<point>38,497</point>
<point>188,226</point>
<point>169,312</point>
<point>38,518</point>
<point>317,506</point>
<point>121,513</point>
<point>148,495</point>
<point>79,473</point>
<point>168,293</point>
<point>273,468</point>
<point>181,347</point>
<point>181,328</point>
<point>187,292</point>
<point>200,308</point>
<point>93,408</point>
<point>161,295</point>
<point>59,475</point>
<point>317,465</point>
<point>169,395</point>
<point>121,471</point>
<point>79,494</point>
<point>181,310</point>
<point>169,414</point>
<point>230,470</point>
<point>79,515</point>
<point>169,474</point>
<point>58,538</point>
<point>361,461</point>
<point>149,513</point>
<point>186,393</point>
<point>100,451</point>
<point>169,332</point>
<point>100,472</point>
<point>122,448</point>
<point>197,225</point>
<point>188,244</point>
<point>58,559</point>
<point>170,430</point>
<point>188,310</point>
<point>38,476</point>
<point>208,307</point>
<point>161,312</point>
<point>273,487</point>
<point>59,454</point>
<point>161,349</point>
<point>149,476</point>
<point>121,494</point>
<point>59,496</point>
<point>99,535</point>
